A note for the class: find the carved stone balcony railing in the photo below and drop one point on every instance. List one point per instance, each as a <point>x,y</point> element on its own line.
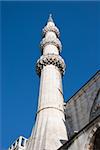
<point>55,60</point>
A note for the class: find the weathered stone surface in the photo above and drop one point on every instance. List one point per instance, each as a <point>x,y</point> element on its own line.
<point>85,138</point>
<point>78,108</point>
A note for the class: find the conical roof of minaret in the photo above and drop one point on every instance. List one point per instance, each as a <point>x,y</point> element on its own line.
<point>50,18</point>
<point>51,27</point>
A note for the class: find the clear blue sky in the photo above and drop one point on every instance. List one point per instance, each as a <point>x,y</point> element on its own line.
<point>22,22</point>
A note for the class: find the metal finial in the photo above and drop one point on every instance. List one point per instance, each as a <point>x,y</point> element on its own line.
<point>50,18</point>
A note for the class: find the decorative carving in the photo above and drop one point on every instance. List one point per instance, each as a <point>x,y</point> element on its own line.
<point>50,59</point>
<point>51,27</point>
<point>51,40</point>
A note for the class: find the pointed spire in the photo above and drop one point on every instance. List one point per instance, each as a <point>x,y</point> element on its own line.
<point>50,26</point>
<point>50,18</point>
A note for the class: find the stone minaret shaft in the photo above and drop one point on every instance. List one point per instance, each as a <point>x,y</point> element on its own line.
<point>49,130</point>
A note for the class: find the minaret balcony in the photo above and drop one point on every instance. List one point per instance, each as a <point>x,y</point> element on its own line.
<point>51,27</point>
<point>51,59</point>
<point>52,41</point>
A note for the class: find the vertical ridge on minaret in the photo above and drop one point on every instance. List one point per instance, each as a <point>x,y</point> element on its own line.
<point>49,129</point>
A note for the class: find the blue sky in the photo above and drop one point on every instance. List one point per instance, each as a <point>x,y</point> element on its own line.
<point>22,23</point>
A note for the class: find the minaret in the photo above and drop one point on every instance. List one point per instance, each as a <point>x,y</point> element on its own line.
<point>49,131</point>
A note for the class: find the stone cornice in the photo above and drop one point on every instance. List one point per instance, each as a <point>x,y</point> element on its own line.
<point>55,60</point>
